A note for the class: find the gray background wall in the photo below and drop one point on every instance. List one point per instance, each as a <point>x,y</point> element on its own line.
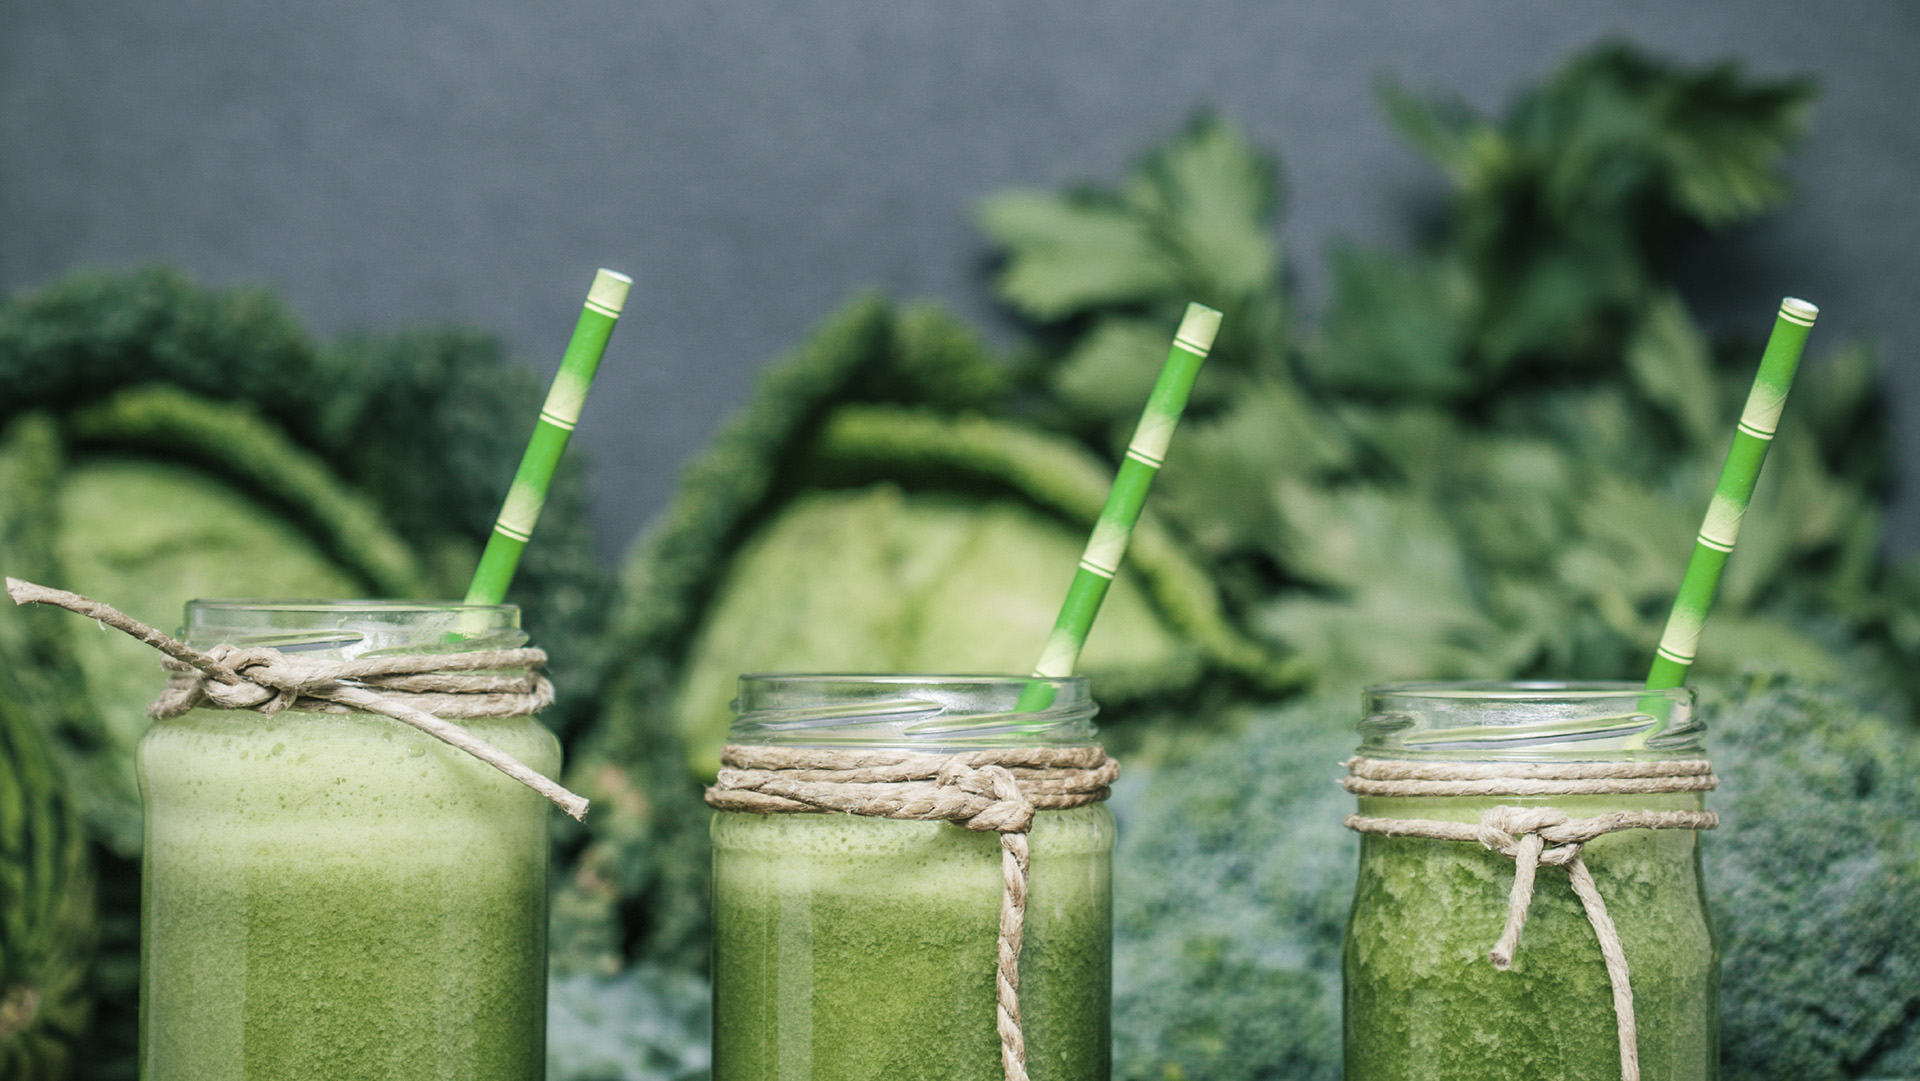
<point>753,162</point>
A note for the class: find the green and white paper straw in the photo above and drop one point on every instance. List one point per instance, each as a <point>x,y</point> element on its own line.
<point>1114,527</point>
<point>558,417</point>
<point>1732,495</point>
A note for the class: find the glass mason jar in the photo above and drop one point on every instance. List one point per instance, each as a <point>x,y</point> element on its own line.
<point>339,894</point>
<point>1422,999</point>
<point>850,948</point>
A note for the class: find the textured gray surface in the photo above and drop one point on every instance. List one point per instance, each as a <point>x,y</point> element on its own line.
<point>752,163</point>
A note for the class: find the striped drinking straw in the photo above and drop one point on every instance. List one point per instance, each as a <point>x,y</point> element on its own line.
<point>558,416</point>
<point>1114,527</point>
<point>1732,494</point>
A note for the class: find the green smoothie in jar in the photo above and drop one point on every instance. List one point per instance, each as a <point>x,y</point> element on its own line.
<point>340,895</point>
<point>850,948</point>
<point>1422,998</point>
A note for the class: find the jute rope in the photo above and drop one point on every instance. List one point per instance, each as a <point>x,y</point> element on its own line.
<point>1524,834</point>
<point>988,791</point>
<point>417,689</point>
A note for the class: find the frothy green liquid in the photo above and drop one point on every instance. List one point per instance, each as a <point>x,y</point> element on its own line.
<point>341,897</point>
<point>861,949</point>
<point>1423,1003</point>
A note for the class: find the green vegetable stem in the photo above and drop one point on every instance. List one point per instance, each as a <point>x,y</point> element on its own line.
<point>558,416</point>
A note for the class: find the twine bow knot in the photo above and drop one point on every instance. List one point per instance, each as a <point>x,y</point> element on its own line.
<point>270,681</point>
<point>1520,834</point>
<point>1010,811</point>
<point>1516,831</point>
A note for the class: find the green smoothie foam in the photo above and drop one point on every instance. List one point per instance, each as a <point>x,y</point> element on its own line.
<point>862,949</point>
<point>1423,1003</point>
<point>340,896</point>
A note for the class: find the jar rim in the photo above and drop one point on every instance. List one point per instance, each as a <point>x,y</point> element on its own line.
<point>351,604</point>
<point>986,678</point>
<point>1529,720</point>
<point>908,710</point>
<point>1524,689</point>
<point>343,629</point>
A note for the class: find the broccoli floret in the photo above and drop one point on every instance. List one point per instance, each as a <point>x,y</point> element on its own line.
<point>1814,876</point>
<point>646,1024</point>
<point>1231,886</point>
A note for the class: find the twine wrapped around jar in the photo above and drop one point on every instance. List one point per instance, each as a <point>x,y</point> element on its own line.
<point>987,791</point>
<point>1531,836</point>
<point>415,689</point>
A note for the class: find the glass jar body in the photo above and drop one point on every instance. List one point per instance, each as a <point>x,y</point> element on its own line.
<point>1421,998</point>
<point>849,948</point>
<point>340,895</point>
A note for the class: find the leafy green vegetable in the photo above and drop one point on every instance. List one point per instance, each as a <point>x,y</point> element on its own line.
<point>1491,459</point>
<point>1564,206</point>
<point>233,441</point>
<point>878,580</point>
<point>422,428</point>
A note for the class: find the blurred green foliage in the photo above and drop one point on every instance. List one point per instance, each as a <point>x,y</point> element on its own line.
<point>645,1024</point>
<point>1490,457</point>
<point>47,927</point>
<point>387,450</point>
